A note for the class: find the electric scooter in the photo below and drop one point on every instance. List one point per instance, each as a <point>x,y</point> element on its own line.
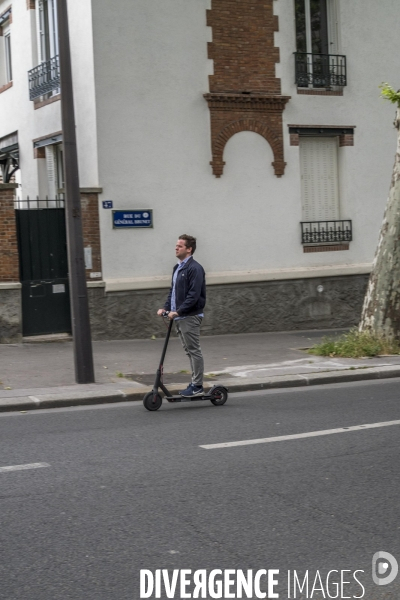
<point>218,395</point>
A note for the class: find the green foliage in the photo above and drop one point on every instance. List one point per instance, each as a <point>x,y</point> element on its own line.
<point>356,344</point>
<point>388,93</point>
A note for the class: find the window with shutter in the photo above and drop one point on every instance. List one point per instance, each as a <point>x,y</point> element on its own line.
<point>319,179</point>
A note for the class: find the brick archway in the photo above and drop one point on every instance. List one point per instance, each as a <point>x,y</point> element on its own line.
<point>245,93</point>
<point>247,125</point>
<point>232,113</point>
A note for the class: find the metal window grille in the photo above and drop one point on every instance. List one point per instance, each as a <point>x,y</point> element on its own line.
<point>44,78</point>
<point>320,70</point>
<point>322,232</point>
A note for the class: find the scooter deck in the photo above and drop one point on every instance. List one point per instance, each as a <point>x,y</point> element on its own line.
<point>180,398</point>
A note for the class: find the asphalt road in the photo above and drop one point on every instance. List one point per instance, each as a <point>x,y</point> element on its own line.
<point>126,490</point>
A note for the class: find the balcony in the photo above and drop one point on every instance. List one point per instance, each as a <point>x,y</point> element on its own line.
<point>44,78</point>
<point>320,70</point>
<point>326,232</point>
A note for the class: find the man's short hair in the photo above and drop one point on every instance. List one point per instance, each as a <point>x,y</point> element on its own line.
<point>190,241</point>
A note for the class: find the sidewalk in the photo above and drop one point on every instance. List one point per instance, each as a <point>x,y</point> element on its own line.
<point>41,375</point>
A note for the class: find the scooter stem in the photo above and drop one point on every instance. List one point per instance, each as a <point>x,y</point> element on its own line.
<point>166,342</point>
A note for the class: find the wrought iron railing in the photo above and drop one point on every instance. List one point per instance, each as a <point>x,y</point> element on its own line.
<point>44,78</point>
<point>322,232</point>
<point>38,203</point>
<point>320,70</point>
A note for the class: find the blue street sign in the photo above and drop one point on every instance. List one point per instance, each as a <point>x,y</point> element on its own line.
<point>133,219</point>
<point>107,204</point>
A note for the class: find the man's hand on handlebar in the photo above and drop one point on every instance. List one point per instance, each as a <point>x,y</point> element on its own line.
<point>165,313</point>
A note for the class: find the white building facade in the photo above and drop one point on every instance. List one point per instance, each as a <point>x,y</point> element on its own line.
<point>254,125</point>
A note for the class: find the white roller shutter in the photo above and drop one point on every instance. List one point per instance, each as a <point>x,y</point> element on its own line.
<point>319,179</point>
<point>51,171</point>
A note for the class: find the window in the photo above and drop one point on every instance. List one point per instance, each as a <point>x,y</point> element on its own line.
<point>317,61</point>
<point>312,26</point>
<point>319,178</point>
<point>46,79</point>
<point>322,227</point>
<point>7,56</point>
<point>46,20</point>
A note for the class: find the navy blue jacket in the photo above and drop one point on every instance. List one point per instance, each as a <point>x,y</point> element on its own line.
<point>190,290</point>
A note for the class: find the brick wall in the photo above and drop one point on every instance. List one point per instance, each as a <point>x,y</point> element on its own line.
<point>91,230</point>
<point>245,94</point>
<point>243,48</point>
<point>9,260</point>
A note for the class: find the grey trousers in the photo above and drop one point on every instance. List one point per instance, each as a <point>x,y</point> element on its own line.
<point>188,330</point>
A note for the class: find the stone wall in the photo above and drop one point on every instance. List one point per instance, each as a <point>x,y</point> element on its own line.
<point>10,316</point>
<point>244,308</point>
<point>10,295</point>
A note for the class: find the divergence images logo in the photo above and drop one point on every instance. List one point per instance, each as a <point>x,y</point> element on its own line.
<point>384,568</point>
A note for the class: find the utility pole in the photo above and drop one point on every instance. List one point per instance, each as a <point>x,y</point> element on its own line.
<point>83,354</point>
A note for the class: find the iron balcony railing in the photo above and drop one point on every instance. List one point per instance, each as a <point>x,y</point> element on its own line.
<point>322,232</point>
<point>38,203</point>
<point>44,78</point>
<point>320,70</point>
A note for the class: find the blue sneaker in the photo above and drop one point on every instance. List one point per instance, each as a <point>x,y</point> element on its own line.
<point>192,390</point>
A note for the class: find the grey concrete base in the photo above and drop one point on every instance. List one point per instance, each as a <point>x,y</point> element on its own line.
<point>244,308</point>
<point>10,316</point>
<point>234,308</point>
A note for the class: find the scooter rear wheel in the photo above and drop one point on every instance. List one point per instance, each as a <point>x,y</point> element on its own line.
<point>220,396</point>
<point>152,401</point>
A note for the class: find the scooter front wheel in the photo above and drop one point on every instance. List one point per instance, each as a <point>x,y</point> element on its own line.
<point>219,396</point>
<point>152,401</point>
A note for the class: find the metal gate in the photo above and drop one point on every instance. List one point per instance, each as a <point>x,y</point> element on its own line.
<point>43,267</point>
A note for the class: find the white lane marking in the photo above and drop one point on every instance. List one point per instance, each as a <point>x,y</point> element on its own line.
<point>23,467</point>
<point>299,436</point>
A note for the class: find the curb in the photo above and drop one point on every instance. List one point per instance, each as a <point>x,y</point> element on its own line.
<point>234,384</point>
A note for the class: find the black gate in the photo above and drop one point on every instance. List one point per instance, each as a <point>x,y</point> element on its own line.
<point>43,267</point>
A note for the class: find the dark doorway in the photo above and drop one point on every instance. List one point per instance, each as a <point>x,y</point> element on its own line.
<point>43,267</point>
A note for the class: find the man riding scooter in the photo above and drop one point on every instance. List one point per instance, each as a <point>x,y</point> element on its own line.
<point>185,304</point>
